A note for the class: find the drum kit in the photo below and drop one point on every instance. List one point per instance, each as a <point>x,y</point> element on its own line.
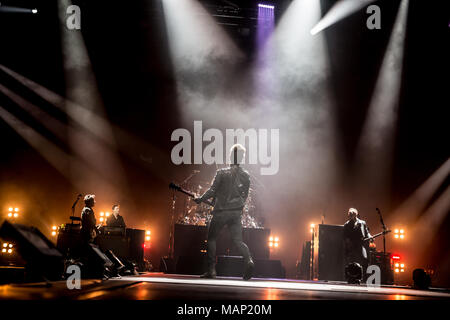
<point>201,214</point>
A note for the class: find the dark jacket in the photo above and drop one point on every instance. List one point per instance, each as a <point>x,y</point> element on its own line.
<point>88,223</point>
<point>354,233</point>
<point>112,221</point>
<point>229,189</point>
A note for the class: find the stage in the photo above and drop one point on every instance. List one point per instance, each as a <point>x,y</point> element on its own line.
<point>159,286</point>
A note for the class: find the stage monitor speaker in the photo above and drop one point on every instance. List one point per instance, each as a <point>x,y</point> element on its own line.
<point>191,264</point>
<point>119,267</point>
<point>98,263</point>
<point>42,257</point>
<point>167,265</point>
<point>269,269</point>
<point>230,266</point>
<point>331,253</point>
<point>233,266</point>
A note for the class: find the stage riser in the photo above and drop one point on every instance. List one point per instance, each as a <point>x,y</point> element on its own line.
<point>190,240</point>
<point>229,266</point>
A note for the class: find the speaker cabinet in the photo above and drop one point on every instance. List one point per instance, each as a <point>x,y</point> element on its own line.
<point>42,257</point>
<point>233,266</point>
<point>191,264</point>
<point>331,252</point>
<point>191,240</point>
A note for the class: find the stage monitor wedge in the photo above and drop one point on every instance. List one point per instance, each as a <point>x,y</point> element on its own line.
<point>43,259</point>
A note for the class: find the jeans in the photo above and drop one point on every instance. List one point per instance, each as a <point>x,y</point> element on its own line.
<point>233,220</point>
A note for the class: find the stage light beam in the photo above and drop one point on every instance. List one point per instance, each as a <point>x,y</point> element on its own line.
<point>203,58</point>
<point>340,10</point>
<point>49,151</point>
<point>375,149</point>
<point>81,88</point>
<point>416,202</point>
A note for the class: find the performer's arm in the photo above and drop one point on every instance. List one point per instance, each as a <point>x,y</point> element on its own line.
<point>245,190</point>
<point>211,192</point>
<point>368,232</point>
<point>368,235</point>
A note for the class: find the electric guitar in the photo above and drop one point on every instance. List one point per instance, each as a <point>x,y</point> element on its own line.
<point>377,235</point>
<point>176,187</point>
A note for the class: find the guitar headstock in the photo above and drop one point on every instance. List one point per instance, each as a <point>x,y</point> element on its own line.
<point>173,186</point>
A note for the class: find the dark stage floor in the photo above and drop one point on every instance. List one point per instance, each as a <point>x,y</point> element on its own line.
<point>153,286</point>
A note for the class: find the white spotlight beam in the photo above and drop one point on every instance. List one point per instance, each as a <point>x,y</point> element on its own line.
<point>55,126</point>
<point>375,147</point>
<point>426,228</point>
<point>128,143</point>
<point>9,9</point>
<point>59,129</point>
<point>292,90</point>
<point>299,60</point>
<point>97,125</point>
<point>340,10</point>
<point>55,156</point>
<point>434,216</point>
<point>81,87</point>
<point>203,57</point>
<point>195,38</point>
<point>58,158</point>
<point>413,206</point>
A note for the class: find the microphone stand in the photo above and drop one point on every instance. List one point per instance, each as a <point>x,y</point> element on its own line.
<point>384,231</point>
<point>74,205</point>
<point>172,225</point>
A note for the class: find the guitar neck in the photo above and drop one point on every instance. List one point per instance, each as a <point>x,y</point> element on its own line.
<point>377,235</point>
<point>190,194</point>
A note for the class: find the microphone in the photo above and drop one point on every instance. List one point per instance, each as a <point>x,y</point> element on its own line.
<point>378,210</point>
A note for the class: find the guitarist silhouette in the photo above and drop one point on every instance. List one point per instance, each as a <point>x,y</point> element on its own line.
<point>355,247</point>
<point>229,192</point>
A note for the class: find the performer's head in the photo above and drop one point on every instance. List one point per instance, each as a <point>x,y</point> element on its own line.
<point>352,213</point>
<point>89,200</point>
<point>115,209</point>
<point>237,154</point>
